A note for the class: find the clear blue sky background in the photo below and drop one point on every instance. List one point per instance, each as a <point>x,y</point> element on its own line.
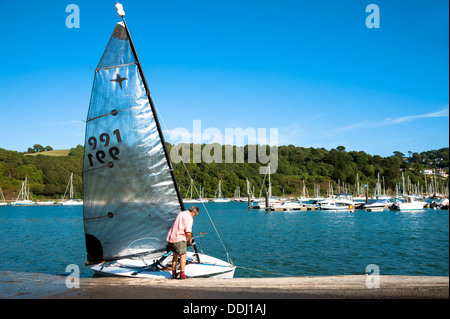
<point>312,69</point>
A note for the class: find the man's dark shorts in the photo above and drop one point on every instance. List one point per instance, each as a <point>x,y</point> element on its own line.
<point>179,247</point>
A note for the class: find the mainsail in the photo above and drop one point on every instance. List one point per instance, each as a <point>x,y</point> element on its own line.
<point>130,192</point>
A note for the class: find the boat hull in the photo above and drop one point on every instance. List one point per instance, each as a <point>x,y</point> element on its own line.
<point>336,207</point>
<point>23,203</point>
<point>72,203</point>
<point>407,206</point>
<point>45,203</point>
<point>411,206</point>
<point>209,267</point>
<point>374,209</point>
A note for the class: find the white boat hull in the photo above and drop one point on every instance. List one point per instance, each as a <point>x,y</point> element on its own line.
<point>221,200</point>
<point>45,203</point>
<point>23,203</point>
<point>209,267</point>
<point>410,203</point>
<point>337,206</point>
<point>72,203</point>
<point>374,209</point>
<point>334,207</point>
<point>411,206</point>
<point>194,201</point>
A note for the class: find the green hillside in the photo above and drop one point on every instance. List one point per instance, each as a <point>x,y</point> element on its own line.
<point>48,172</point>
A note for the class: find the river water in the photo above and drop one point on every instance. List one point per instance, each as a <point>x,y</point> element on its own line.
<point>38,243</point>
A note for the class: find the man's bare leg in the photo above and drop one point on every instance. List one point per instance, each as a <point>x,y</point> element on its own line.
<point>183,262</point>
<point>175,256</point>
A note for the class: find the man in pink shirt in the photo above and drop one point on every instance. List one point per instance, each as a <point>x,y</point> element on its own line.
<point>178,235</point>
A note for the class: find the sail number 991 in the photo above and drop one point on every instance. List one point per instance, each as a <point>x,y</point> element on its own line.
<point>105,139</point>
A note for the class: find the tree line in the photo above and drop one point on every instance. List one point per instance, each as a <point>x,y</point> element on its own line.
<point>39,148</point>
<point>48,175</point>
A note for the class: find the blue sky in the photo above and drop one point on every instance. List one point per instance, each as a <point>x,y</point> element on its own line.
<point>311,69</point>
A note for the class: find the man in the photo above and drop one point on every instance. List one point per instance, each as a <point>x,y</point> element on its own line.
<point>179,234</point>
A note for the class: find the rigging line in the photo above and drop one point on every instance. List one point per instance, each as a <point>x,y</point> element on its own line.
<point>196,190</point>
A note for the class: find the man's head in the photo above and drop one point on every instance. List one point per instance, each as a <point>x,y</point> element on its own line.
<point>194,210</point>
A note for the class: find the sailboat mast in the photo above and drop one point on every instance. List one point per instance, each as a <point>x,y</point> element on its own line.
<point>71,187</point>
<point>158,126</point>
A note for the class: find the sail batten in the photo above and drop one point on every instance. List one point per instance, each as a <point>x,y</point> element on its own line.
<point>115,66</point>
<point>130,194</point>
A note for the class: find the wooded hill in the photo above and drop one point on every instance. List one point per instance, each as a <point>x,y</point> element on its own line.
<point>48,175</point>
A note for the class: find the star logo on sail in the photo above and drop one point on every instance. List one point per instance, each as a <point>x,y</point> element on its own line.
<point>119,80</point>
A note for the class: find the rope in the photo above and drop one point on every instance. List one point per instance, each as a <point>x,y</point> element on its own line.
<point>196,190</point>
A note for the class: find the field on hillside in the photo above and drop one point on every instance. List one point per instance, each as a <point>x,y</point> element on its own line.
<point>50,153</point>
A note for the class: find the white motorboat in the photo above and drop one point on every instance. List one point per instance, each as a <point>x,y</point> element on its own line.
<point>377,206</point>
<point>288,205</point>
<point>262,204</point>
<point>410,203</point>
<point>342,201</point>
<point>336,205</point>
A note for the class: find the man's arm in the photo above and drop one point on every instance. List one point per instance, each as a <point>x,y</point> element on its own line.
<point>189,237</point>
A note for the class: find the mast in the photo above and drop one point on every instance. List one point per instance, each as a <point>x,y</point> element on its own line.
<point>71,187</point>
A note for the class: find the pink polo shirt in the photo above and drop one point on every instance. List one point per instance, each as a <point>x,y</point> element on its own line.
<point>181,226</point>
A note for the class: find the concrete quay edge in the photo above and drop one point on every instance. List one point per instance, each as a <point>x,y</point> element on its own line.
<point>320,287</point>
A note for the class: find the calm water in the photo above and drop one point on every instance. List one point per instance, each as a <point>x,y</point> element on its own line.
<point>37,243</point>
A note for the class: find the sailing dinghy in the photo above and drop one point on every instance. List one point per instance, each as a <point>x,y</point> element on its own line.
<point>131,197</point>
